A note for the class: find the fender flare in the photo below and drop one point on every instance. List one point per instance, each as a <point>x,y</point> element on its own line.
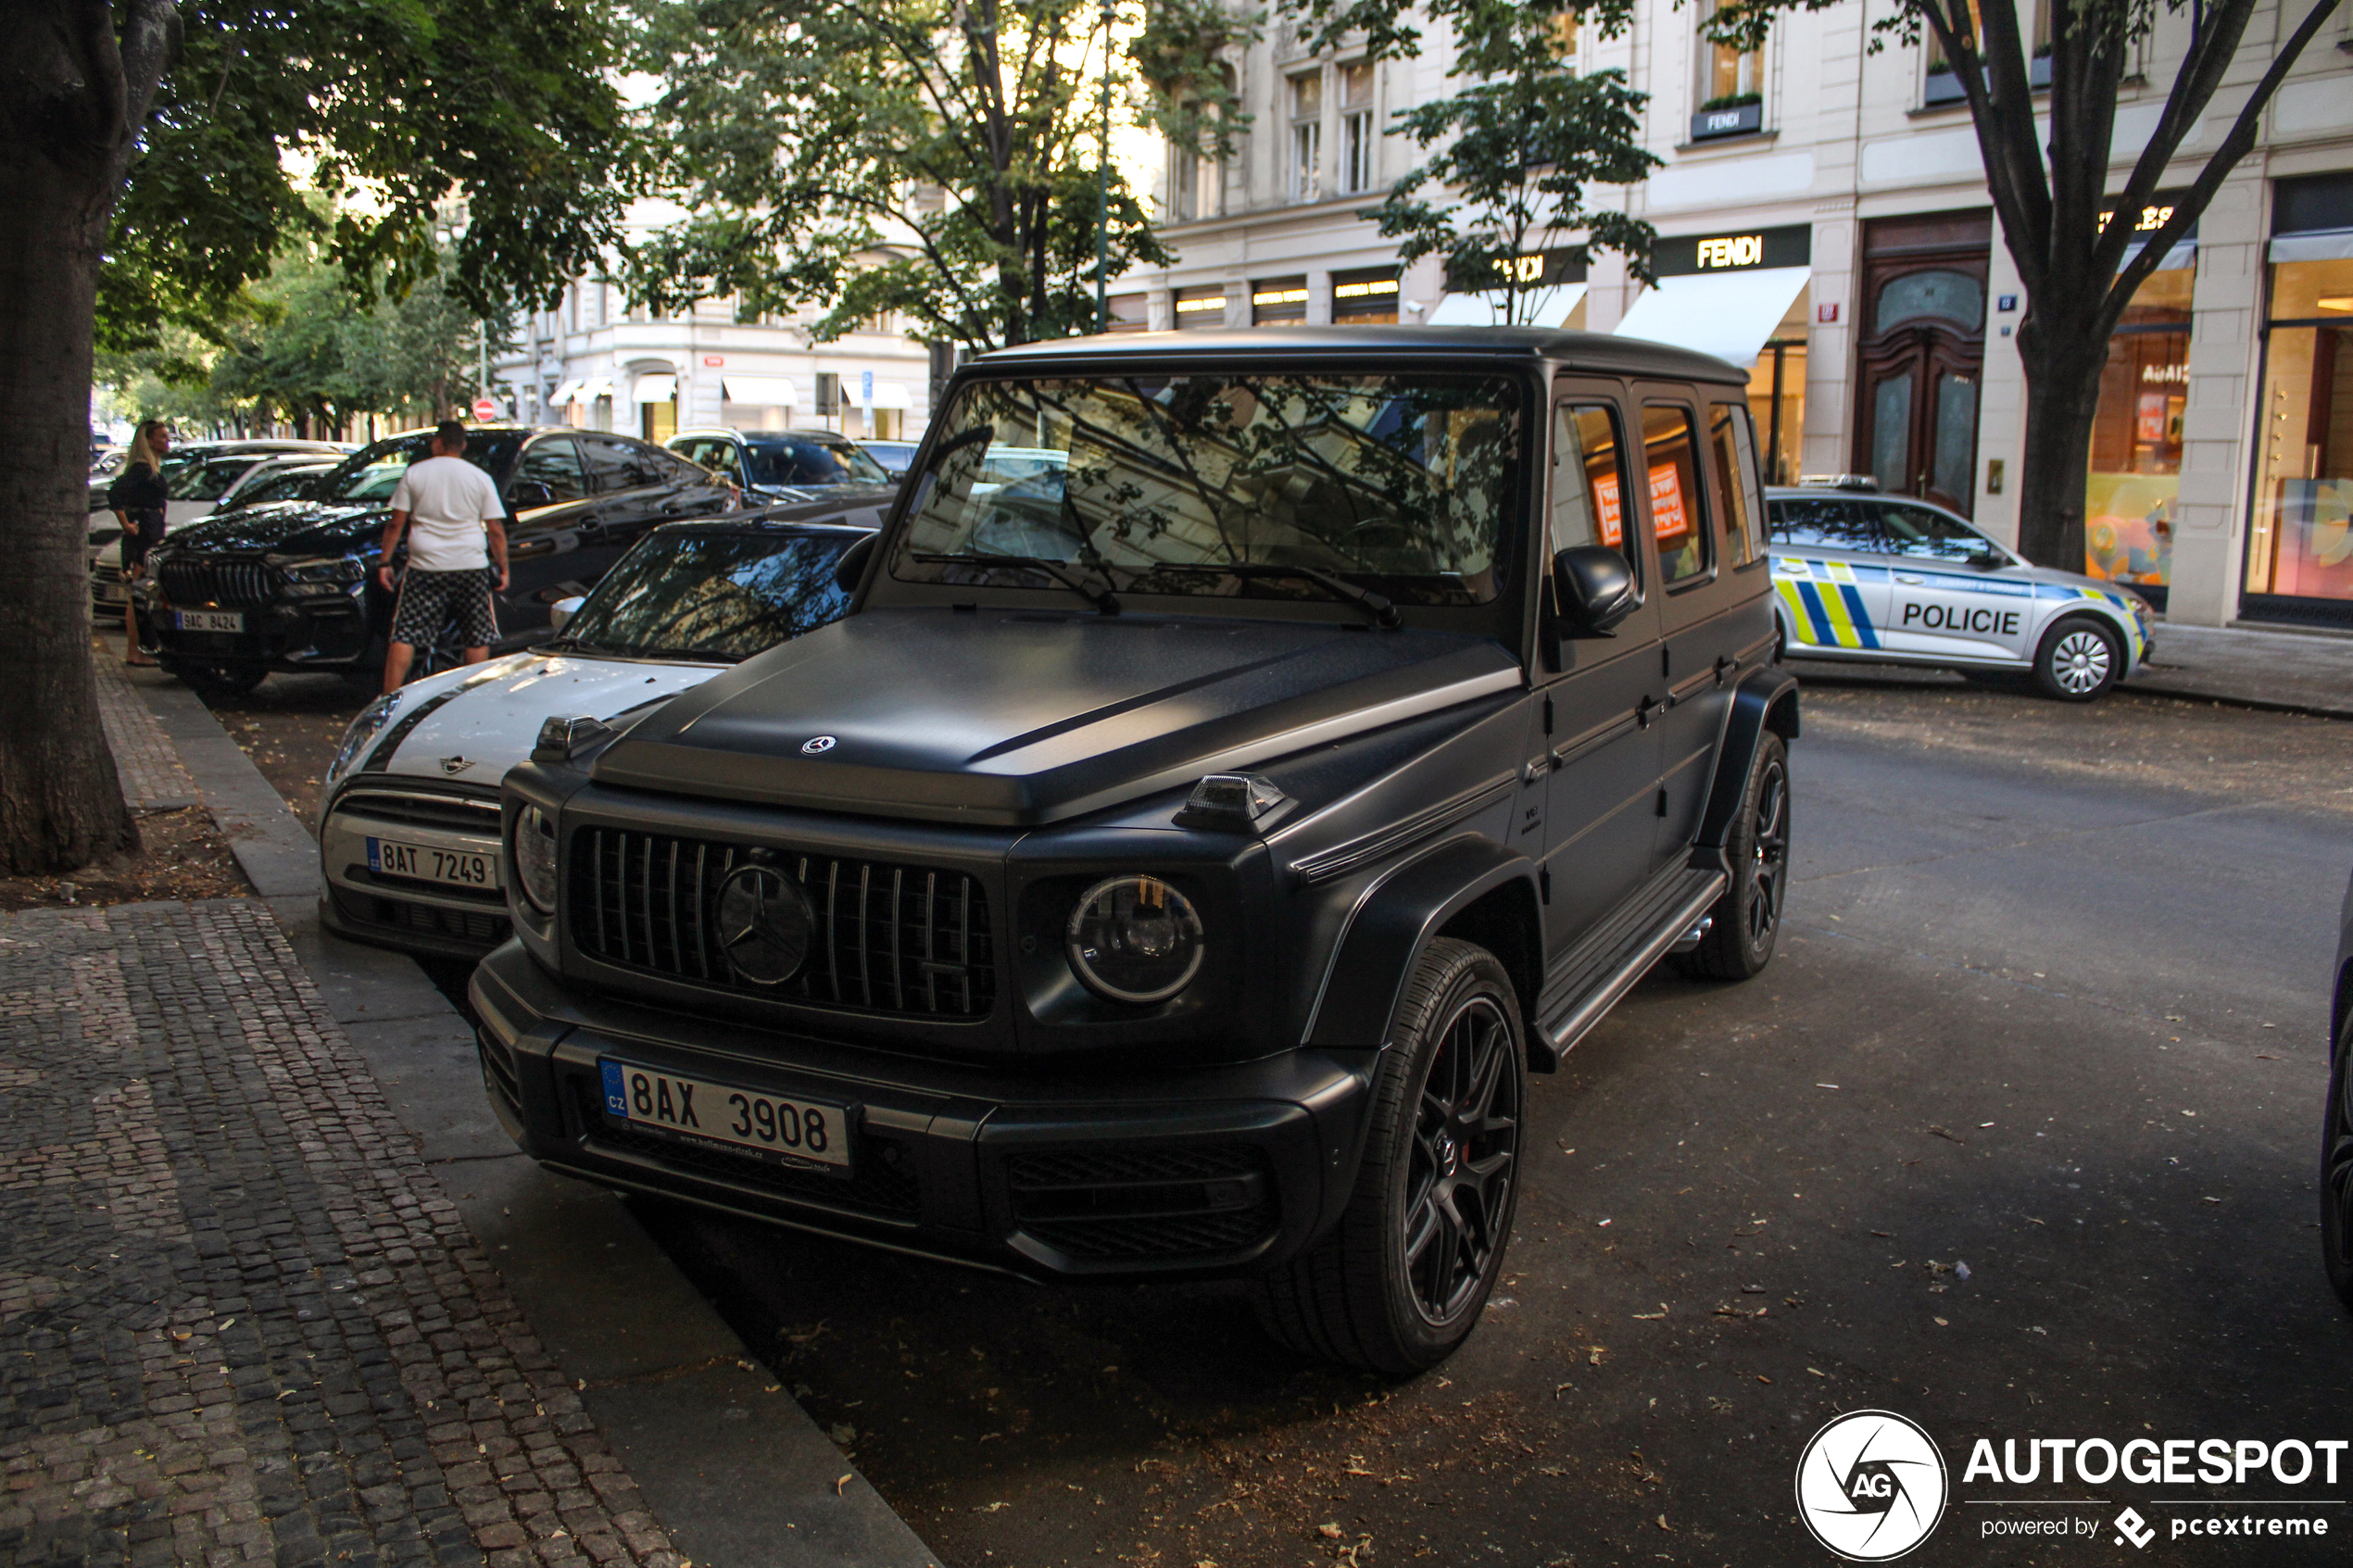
<point>1393,922</point>
<point>2118,620</point>
<point>1765,699</point>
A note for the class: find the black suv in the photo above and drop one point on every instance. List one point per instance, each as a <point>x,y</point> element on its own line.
<point>291,586</point>
<point>1187,891</point>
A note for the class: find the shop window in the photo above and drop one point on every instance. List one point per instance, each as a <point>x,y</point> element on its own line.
<point>1277,302</point>
<point>1777,402</point>
<point>1130,313</point>
<point>1356,131</point>
<point>1364,298</point>
<point>1202,306</point>
<point>1307,137</point>
<point>2301,537</point>
<point>2131,489</point>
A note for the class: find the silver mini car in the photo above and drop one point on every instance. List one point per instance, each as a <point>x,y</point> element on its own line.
<point>1888,580</point>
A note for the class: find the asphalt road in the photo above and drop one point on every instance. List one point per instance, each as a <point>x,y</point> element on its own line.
<point>2049,1004</point>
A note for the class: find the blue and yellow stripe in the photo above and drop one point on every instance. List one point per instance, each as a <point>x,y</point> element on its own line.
<point>1824,604</point>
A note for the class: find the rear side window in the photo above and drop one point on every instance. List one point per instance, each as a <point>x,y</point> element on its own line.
<point>1587,507</point>
<point>1823,521</point>
<point>1925,534</point>
<point>553,461</point>
<point>1679,506</point>
<point>1731,443</point>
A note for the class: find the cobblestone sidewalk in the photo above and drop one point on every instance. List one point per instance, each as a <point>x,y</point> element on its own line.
<point>240,1322</point>
<point>143,759</point>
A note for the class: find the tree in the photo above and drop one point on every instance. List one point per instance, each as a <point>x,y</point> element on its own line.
<point>937,161</point>
<point>1516,150</point>
<point>145,152</point>
<point>2073,239</point>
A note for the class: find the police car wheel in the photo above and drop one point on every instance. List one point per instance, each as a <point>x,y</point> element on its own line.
<point>1745,922</point>
<point>1401,1280</point>
<point>2337,1169</point>
<point>2079,660</point>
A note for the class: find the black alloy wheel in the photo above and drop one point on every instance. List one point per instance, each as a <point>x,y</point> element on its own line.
<point>1401,1280</point>
<point>1745,923</point>
<point>2336,1166</point>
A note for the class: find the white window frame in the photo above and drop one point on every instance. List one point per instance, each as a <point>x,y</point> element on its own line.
<point>1304,178</point>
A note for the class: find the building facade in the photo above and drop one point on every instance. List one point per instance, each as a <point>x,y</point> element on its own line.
<point>1823,220</point>
<point>598,363</point>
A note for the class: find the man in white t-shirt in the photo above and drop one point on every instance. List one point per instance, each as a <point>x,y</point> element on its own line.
<point>456,529</point>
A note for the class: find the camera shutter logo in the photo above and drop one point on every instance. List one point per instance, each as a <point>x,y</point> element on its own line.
<point>765,924</point>
<point>1871,1486</point>
<point>817,745</point>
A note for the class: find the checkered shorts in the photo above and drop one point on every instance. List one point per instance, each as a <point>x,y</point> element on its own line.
<point>429,600</point>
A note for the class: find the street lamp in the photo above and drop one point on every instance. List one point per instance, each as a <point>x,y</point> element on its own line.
<point>1103,190</point>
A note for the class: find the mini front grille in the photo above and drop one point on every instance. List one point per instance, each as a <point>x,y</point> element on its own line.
<point>882,1176</point>
<point>422,920</point>
<point>235,584</point>
<point>1143,1203</point>
<point>420,808</point>
<point>894,939</point>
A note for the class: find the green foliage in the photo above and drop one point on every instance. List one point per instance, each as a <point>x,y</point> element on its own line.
<point>509,109</point>
<point>935,160</point>
<point>1515,152</point>
<point>1194,99</point>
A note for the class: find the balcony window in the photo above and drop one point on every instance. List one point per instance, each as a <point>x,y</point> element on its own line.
<point>1307,137</point>
<point>1356,127</point>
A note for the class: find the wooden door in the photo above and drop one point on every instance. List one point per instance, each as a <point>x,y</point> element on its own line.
<point>1919,363</point>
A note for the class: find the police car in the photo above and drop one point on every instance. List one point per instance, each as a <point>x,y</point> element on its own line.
<point>1888,580</point>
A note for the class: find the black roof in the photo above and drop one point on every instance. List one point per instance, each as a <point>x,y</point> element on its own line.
<point>1600,351</point>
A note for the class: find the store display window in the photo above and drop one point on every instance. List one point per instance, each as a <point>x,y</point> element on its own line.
<point>2300,535</point>
<point>2133,488</point>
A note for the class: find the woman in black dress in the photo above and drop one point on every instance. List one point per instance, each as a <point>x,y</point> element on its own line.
<point>138,498</point>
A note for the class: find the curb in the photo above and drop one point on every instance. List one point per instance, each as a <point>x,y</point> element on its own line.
<point>735,1471</point>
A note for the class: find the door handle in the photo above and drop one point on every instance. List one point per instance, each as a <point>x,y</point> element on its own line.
<point>1648,706</point>
<point>1910,577</point>
<point>1724,668</point>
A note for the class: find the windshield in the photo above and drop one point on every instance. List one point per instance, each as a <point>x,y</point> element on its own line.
<point>369,473</point>
<point>1400,483</point>
<point>803,461</point>
<point>207,481</point>
<point>712,596</point>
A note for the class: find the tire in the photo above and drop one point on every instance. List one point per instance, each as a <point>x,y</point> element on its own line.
<point>1745,923</point>
<point>1399,1284</point>
<point>2337,1168</point>
<point>2079,660</point>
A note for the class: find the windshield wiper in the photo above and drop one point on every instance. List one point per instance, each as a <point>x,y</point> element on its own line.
<point>1103,599</point>
<point>1379,607</point>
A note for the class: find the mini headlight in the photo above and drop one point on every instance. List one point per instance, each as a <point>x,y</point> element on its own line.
<point>362,730</point>
<point>1134,939</point>
<point>535,857</point>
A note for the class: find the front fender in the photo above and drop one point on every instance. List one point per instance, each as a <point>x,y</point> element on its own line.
<point>1392,922</point>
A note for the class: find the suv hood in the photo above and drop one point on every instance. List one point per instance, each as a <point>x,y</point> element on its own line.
<point>329,527</point>
<point>471,725</point>
<point>1018,719</point>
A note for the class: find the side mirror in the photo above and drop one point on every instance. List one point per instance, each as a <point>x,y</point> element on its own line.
<point>852,565</point>
<point>526,494</point>
<point>562,611</point>
<point>1594,590</point>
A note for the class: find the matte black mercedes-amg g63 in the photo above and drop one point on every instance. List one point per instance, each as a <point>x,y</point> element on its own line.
<point>1176,862</point>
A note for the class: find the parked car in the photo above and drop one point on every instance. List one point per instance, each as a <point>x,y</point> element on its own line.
<point>409,841</point>
<point>185,455</point>
<point>1876,579</point>
<point>293,587</point>
<point>896,456</point>
<point>773,466</point>
<point>294,482</point>
<point>1190,900</point>
<point>2336,1119</point>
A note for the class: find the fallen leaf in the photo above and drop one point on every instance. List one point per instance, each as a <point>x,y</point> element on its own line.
<point>1665,1526</point>
<point>1942,1323</point>
<point>1817,1372</point>
<point>1330,1532</point>
<point>984,1508</point>
<point>1595,1357</point>
<point>840,1482</point>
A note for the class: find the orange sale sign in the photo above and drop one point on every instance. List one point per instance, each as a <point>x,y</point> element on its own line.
<point>1668,520</point>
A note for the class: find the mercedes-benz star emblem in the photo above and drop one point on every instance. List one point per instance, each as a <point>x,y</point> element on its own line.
<point>817,745</point>
<point>765,925</point>
<point>456,764</point>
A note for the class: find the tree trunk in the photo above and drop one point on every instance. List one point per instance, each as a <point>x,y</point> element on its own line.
<point>61,805</point>
<point>2063,353</point>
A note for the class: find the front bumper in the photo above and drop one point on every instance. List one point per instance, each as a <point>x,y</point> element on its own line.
<point>405,913</point>
<point>1183,1173</point>
<point>291,636</point>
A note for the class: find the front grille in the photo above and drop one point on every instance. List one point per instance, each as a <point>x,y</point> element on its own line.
<point>882,1177</point>
<point>420,808</point>
<point>1143,1203</point>
<point>892,939</point>
<point>424,920</point>
<point>235,584</point>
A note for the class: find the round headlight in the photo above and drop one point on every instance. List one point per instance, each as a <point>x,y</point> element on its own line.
<point>536,858</point>
<point>362,730</point>
<point>1134,939</point>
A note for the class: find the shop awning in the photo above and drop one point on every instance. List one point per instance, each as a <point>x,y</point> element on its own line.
<point>887,394</point>
<point>594,388</point>
<point>657,388</point>
<point>2325,245</point>
<point>762,392</point>
<point>564,393</point>
<point>1545,307</point>
<point>1730,314</point>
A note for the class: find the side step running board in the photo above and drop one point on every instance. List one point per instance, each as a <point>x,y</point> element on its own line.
<point>1590,1007</point>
